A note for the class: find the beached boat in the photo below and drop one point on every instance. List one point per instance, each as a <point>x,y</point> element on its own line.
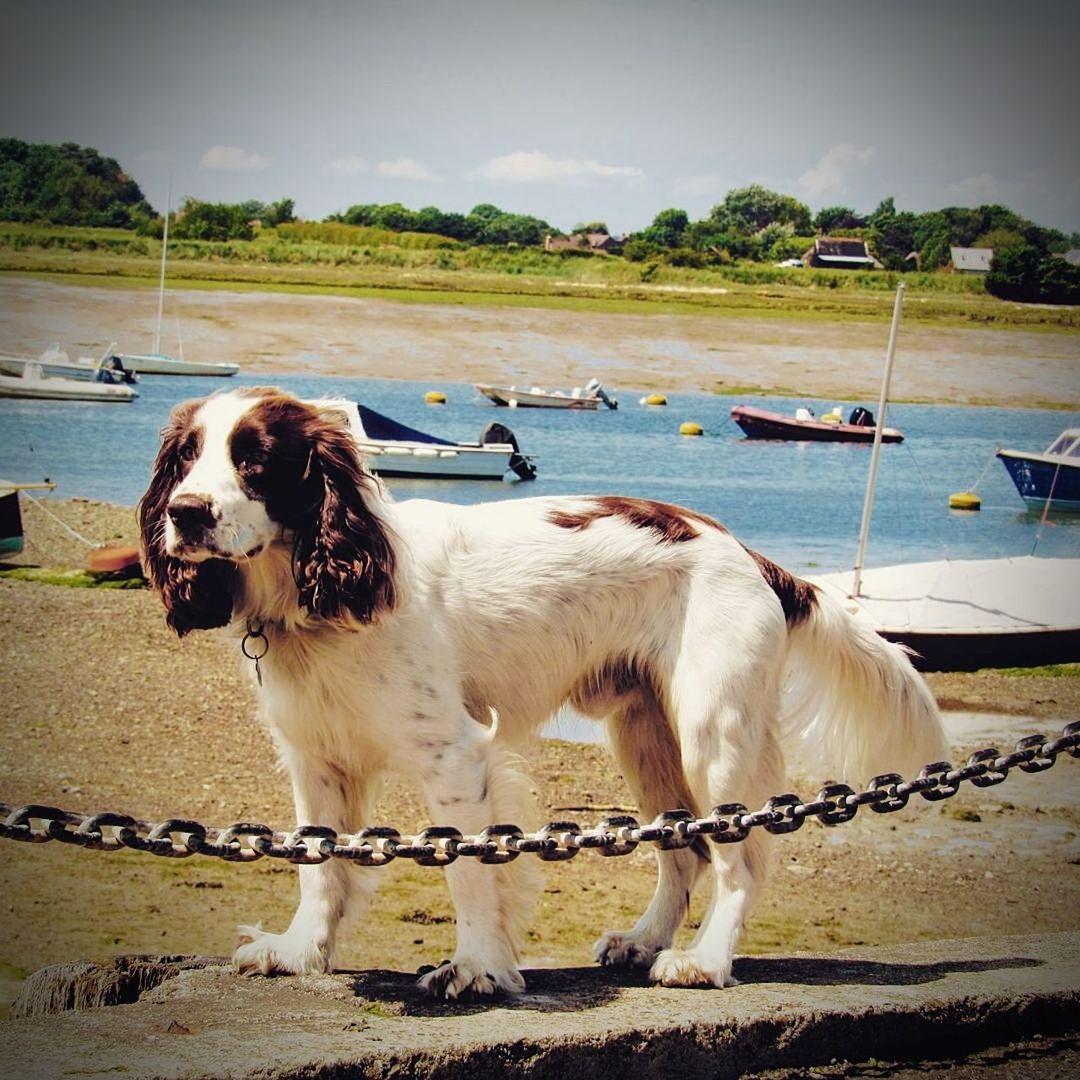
<point>957,614</point>
<point>155,362</point>
<point>33,383</point>
<point>11,524</point>
<point>591,396</point>
<point>962,615</point>
<point>1050,480</point>
<point>394,450</point>
<point>805,427</point>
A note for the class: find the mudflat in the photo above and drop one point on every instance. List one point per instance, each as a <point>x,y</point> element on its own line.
<point>271,334</point>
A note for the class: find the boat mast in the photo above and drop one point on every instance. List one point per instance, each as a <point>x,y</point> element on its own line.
<point>161,283</point>
<point>868,502</point>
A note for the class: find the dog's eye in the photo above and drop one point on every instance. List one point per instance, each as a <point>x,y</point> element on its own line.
<point>188,451</point>
<point>253,461</point>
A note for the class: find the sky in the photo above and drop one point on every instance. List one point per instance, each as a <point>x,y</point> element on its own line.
<point>573,111</point>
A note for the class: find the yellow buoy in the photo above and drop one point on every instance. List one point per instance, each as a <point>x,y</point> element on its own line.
<point>654,399</point>
<point>964,500</point>
<point>691,428</point>
<point>435,397</point>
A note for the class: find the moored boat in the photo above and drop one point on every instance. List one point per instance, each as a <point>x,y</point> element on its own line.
<point>54,361</point>
<point>805,427</point>
<point>591,397</point>
<point>34,384</point>
<point>394,450</point>
<point>157,363</point>
<point>1050,480</point>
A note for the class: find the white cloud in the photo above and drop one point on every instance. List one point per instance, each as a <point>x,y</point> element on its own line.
<point>349,165</point>
<point>405,169</point>
<point>830,175</point>
<point>233,159</point>
<point>535,167</point>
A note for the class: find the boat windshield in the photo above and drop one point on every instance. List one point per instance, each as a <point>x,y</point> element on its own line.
<point>1067,444</point>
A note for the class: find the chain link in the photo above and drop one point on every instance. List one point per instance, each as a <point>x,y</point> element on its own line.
<point>557,841</point>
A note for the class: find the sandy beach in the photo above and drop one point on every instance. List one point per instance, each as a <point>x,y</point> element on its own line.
<point>361,337</point>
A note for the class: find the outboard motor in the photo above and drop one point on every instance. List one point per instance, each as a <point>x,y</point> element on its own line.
<point>593,388</point>
<point>497,433</point>
<point>861,417</point>
<point>117,373</point>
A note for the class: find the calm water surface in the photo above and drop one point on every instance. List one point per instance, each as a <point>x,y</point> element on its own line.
<point>798,503</point>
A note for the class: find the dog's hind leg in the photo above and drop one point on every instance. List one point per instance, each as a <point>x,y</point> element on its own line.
<point>730,753</point>
<point>471,783</point>
<point>645,749</point>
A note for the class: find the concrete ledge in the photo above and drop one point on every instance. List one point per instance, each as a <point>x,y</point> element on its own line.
<point>932,1000</point>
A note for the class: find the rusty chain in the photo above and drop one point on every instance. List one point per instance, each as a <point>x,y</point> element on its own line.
<point>556,841</point>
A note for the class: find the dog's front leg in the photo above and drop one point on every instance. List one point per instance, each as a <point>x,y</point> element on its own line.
<point>471,784</point>
<point>325,795</point>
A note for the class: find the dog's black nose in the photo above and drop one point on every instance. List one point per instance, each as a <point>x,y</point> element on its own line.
<point>191,514</point>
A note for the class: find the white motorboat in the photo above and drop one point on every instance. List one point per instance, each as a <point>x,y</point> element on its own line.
<point>394,450</point>
<point>109,368</point>
<point>100,383</point>
<point>34,384</point>
<point>590,397</point>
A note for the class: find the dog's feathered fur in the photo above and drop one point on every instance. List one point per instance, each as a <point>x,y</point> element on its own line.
<point>397,631</point>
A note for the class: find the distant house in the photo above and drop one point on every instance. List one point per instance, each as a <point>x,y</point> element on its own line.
<point>970,260</point>
<point>841,253</point>
<point>579,242</point>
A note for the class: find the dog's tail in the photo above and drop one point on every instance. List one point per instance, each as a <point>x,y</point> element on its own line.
<point>853,702</point>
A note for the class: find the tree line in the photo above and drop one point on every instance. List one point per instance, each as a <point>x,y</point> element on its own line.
<point>73,185</point>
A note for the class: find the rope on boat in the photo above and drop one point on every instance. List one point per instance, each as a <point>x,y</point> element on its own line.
<point>75,535</point>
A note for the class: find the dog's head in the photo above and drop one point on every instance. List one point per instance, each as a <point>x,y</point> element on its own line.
<point>241,473</point>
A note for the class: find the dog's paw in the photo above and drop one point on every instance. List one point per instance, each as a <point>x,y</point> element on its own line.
<point>685,967</point>
<point>623,948</point>
<point>260,953</point>
<point>467,977</point>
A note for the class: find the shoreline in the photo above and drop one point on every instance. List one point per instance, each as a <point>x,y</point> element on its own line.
<point>364,337</point>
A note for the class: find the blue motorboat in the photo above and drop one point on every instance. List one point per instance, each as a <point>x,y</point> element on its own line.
<point>1050,479</point>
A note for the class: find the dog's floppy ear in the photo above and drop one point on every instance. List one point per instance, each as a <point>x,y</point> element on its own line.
<point>197,596</point>
<point>344,559</point>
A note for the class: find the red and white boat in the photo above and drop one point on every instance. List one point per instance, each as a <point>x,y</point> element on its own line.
<point>860,427</point>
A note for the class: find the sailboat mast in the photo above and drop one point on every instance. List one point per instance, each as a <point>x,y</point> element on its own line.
<point>868,501</point>
<point>161,283</point>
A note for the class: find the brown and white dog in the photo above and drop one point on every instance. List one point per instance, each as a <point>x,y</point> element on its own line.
<point>436,639</point>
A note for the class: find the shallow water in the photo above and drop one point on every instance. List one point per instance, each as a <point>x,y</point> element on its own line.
<point>798,503</point>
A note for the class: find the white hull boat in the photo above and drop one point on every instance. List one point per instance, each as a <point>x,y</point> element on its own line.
<point>590,398</point>
<point>394,450</point>
<point>156,363</point>
<point>34,384</point>
<point>962,615</point>
<point>54,361</point>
